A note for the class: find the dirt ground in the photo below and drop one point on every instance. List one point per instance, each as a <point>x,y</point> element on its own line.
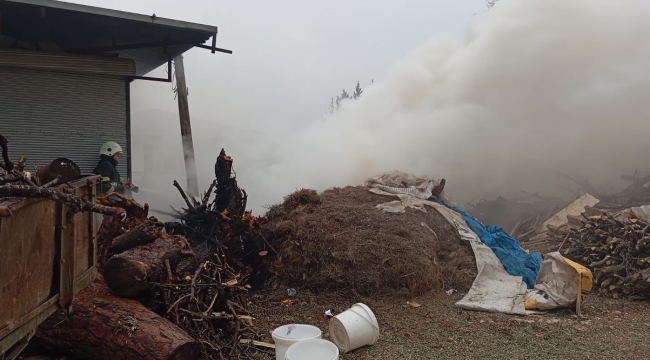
<point>437,329</point>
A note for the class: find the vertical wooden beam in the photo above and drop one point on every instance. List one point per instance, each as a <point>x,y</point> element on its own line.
<point>186,128</point>
<point>66,259</point>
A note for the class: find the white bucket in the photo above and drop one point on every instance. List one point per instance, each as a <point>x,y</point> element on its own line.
<point>287,335</point>
<point>314,349</point>
<point>354,328</point>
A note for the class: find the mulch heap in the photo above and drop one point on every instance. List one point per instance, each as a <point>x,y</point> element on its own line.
<point>339,240</point>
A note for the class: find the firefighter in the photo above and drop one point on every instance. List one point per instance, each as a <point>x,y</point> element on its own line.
<point>109,156</point>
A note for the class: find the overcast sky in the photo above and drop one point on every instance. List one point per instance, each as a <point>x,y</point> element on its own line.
<point>290,56</point>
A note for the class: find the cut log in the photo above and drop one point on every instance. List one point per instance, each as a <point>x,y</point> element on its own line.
<point>142,234</point>
<point>130,273</point>
<point>103,326</point>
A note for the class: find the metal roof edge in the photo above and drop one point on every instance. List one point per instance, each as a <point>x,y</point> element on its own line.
<point>116,14</point>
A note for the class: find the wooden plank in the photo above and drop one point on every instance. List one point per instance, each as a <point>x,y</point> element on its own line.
<point>66,259</point>
<point>27,259</point>
<point>186,127</point>
<point>44,308</point>
<point>257,343</point>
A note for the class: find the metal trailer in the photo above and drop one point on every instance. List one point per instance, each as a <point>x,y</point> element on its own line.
<point>47,255</point>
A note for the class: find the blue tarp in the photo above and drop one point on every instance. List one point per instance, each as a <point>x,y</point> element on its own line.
<point>514,259</point>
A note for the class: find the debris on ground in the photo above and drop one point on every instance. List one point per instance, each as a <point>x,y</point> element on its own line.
<point>519,216</point>
<point>339,240</point>
<point>194,302</point>
<point>542,239</point>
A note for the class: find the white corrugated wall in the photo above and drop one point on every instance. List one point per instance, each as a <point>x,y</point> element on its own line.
<point>46,115</point>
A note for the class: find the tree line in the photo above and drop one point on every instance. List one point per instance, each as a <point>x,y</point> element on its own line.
<point>335,103</point>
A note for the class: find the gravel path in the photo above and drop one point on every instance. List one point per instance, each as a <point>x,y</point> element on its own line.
<point>436,329</point>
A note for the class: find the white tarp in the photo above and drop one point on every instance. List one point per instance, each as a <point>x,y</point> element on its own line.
<point>397,182</point>
<point>493,289</point>
<point>559,280</point>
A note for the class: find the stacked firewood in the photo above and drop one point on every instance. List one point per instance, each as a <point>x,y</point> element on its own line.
<point>615,248</point>
<point>166,300</point>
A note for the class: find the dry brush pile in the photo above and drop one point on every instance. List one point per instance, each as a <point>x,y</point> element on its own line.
<point>339,240</point>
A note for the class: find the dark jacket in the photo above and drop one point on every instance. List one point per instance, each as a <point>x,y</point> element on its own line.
<point>110,181</point>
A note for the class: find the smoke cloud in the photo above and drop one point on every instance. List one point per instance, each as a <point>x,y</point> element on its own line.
<point>536,88</point>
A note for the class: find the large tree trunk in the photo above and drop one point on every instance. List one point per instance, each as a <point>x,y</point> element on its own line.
<point>103,326</point>
<point>130,273</point>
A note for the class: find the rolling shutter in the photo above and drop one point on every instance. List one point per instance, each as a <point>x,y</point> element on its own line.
<point>46,115</point>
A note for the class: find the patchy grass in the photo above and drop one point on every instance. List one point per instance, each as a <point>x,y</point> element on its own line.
<point>609,329</point>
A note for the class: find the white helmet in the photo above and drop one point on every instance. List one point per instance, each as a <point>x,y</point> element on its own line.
<point>110,148</point>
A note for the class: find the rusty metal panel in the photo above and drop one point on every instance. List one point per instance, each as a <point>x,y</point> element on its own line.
<point>27,258</point>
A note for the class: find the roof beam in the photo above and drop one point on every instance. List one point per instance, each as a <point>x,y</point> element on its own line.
<point>213,48</point>
<point>116,14</point>
<point>100,49</point>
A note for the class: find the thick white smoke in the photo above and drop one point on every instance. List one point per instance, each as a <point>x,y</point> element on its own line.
<point>537,87</point>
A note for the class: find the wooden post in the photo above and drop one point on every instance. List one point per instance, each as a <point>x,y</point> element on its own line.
<point>186,128</point>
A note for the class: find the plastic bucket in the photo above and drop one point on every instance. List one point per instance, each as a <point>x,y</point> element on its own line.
<point>314,349</point>
<point>287,335</point>
<point>354,328</point>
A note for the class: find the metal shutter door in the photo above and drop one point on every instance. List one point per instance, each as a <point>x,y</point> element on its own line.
<point>47,115</point>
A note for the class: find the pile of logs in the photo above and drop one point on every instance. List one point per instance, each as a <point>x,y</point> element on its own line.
<point>156,297</point>
<point>615,248</point>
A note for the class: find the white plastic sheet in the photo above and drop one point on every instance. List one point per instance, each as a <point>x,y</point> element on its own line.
<point>493,289</point>
<point>559,281</point>
<point>397,182</point>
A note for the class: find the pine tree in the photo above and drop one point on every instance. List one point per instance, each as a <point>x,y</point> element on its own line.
<point>331,107</point>
<point>344,95</point>
<point>357,91</point>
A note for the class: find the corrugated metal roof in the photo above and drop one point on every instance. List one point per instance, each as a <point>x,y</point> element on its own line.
<point>150,41</point>
<point>92,10</point>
